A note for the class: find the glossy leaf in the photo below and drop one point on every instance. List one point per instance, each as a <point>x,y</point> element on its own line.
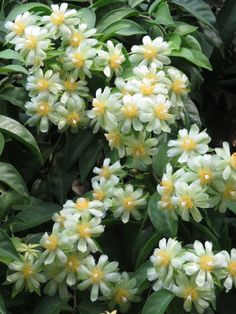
<point>10,54</point>
<point>34,7</point>
<point>158,302</point>
<point>47,305</point>
<point>2,306</point>
<point>191,113</point>
<point>2,143</point>
<point>134,3</point>
<point>163,16</point>
<point>13,68</point>
<point>125,28</point>
<point>16,130</point>
<point>154,6</point>
<point>160,160</point>
<point>227,21</point>
<point>16,96</point>
<point>7,200</point>
<point>8,252</point>
<point>88,17</point>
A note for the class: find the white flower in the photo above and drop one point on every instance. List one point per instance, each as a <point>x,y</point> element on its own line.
<point>116,140</point>
<point>130,111</point>
<point>179,85</point>
<point>126,203</point>
<point>105,109</point>
<point>189,144</point>
<point>17,28</point>
<point>203,263</point>
<point>83,229</point>
<point>165,259</point>
<point>122,86</point>
<point>26,273</point>
<point>29,250</point>
<point>81,34</point>
<point>73,115</point>
<point>228,161</point>
<point>152,51</point>
<point>80,60</point>
<point>124,292</point>
<point>151,73</point>
<point>43,83</point>
<point>42,109</point>
<point>99,276</point>
<point>73,88</point>
<point>157,114</point>
<point>188,198</point>
<point>108,172</point>
<point>61,21</point>
<point>192,294</point>
<point>83,207</point>
<point>230,269</point>
<point>33,45</point>
<point>111,59</point>
<point>103,191</point>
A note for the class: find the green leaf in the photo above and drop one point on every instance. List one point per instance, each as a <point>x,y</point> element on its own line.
<point>8,251</point>
<point>87,16</point>
<point>153,6</point>
<point>2,143</point>
<point>191,113</point>
<point>185,29</point>
<point>141,275</point>
<point>158,302</point>
<point>114,16</point>
<point>16,130</point>
<point>147,249</point>
<point>160,219</point>
<point>174,41</point>
<point>10,54</point>
<point>163,16</point>
<point>194,56</point>
<point>134,3</point>
<point>34,7</point>
<point>11,177</point>
<point>34,215</point>
<point>125,28</point>
<point>191,42</point>
<point>103,3</point>
<point>89,158</point>
<point>160,160</point>
<point>48,305</point>
<point>7,200</point>
<point>13,68</point>
<point>2,306</point>
<point>227,21</point>
<point>17,96</point>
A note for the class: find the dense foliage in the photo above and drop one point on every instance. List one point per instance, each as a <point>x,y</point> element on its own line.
<point>112,196</point>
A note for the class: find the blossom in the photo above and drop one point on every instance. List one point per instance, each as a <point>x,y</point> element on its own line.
<point>130,111</point>
<point>81,34</point>
<point>230,269</point>
<point>228,161</point>
<point>116,140</point>
<point>165,259</point>
<point>98,275</point>
<point>189,144</point>
<point>61,21</point>
<point>152,73</point>
<point>203,263</point>
<point>83,207</point>
<point>179,85</point>
<point>152,51</point>
<point>127,201</point>
<point>108,172</point>
<point>29,250</point>
<point>103,191</point>
<point>73,88</point>
<point>192,294</point>
<point>111,59</point>
<point>42,109</point>
<point>43,83</point>
<point>33,45</point>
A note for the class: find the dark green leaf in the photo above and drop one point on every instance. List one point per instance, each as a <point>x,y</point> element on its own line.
<point>185,29</point>
<point>11,177</point>
<point>227,21</point>
<point>103,3</point>
<point>2,306</point>
<point>125,28</point>
<point>158,302</point>
<point>191,113</point>
<point>17,96</point>
<point>88,17</point>
<point>10,54</point>
<point>2,143</point>
<point>16,130</point>
<point>141,274</point>
<point>163,16</point>
<point>134,3</point>
<point>174,41</point>
<point>160,160</point>
<point>34,7</point>
<point>8,252</point>
<point>13,68</point>
<point>7,200</point>
<point>48,305</point>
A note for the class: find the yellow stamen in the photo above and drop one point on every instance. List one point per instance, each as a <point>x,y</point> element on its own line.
<point>70,85</point>
<point>121,295</point>
<point>42,85</point>
<point>205,175</point>
<point>232,268</point>
<point>206,262</point>
<point>115,62</point>
<point>96,275</point>
<point>166,203</point>
<point>190,293</point>
<point>114,138</point>
<point>165,258</point>
<point>31,42</point>
<point>161,112</point>
<point>51,243</point>
<point>99,195</point>
<point>19,27</point>
<point>27,270</point>
<point>147,89</point>
<point>78,60</point>
<point>186,202</point>
<point>57,19</point>
<point>105,172</point>
<point>167,185</point>
<point>72,263</point>
<point>43,108</point>
<point>83,230</point>
<point>99,107</point>
<point>188,144</point>
<point>178,87</point>
<point>72,119</point>
<point>128,203</point>
<point>76,39</point>
<point>139,151</point>
<point>229,192</point>
<point>233,160</point>
<point>82,204</point>
<point>150,52</point>
<point>130,111</point>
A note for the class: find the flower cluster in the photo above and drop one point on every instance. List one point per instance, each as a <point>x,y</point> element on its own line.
<point>205,178</point>
<point>191,273</point>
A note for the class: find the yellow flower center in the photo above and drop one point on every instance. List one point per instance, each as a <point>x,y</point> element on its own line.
<point>233,160</point>
<point>205,175</point>
<point>147,89</point>
<point>190,293</point>
<point>186,202</point>
<point>205,263</point>
<point>99,107</point>
<point>115,61</point>
<point>27,270</point>
<point>83,230</point>
<point>165,258</point>
<point>232,268</point>
<point>76,39</point>
<point>114,138</point>
<point>72,263</point>
<point>19,27</point>
<point>188,144</point>
<point>121,295</point>
<point>78,60</point>
<point>167,185</point>
<point>161,112</point>
<point>70,85</point>
<point>166,203</point>
<point>31,42</point>
<point>105,172</point>
<point>60,219</point>
<point>151,76</point>
<point>51,243</point>
<point>82,204</point>
<point>99,195</point>
<point>42,85</point>
<point>43,108</point>
<point>130,111</point>
<point>150,52</point>
<point>96,275</point>
<point>128,203</point>
<point>139,151</point>
<point>178,87</point>
<point>229,192</point>
<point>57,19</point>
<point>72,119</point>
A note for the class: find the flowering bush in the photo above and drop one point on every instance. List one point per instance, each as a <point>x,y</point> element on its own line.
<point>150,197</point>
